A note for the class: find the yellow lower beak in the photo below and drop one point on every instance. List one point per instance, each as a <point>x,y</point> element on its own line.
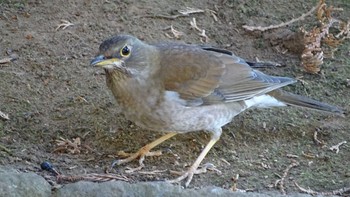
<point>100,61</point>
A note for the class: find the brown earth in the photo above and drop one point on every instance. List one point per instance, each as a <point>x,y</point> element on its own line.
<point>51,92</point>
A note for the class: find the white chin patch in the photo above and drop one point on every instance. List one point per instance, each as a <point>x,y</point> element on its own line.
<point>264,101</point>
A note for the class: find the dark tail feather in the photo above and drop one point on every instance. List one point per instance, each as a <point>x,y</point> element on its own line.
<point>301,101</point>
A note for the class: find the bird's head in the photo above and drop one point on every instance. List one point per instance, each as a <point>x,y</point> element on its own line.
<point>125,54</point>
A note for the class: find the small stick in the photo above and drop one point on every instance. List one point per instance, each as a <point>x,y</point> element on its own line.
<point>312,192</point>
<point>3,148</point>
<point>336,147</point>
<point>234,180</point>
<point>63,25</point>
<point>152,172</point>
<point>183,13</point>
<point>317,141</point>
<point>260,28</point>
<point>6,60</point>
<point>91,177</point>
<point>280,183</point>
<point>4,116</point>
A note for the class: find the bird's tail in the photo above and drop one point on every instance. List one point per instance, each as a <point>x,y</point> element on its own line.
<point>301,101</point>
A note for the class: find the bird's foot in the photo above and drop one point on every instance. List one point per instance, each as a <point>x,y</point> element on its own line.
<point>141,154</point>
<point>192,171</point>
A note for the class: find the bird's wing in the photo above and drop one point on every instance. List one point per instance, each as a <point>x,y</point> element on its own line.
<point>212,75</point>
<point>241,82</point>
<point>188,71</point>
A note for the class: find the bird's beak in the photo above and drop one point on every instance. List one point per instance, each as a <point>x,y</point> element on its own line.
<point>101,61</point>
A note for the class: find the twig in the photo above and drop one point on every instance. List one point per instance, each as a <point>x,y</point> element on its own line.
<point>280,183</point>
<point>4,116</point>
<point>176,33</point>
<point>183,13</point>
<point>309,156</point>
<point>193,24</point>
<point>63,25</point>
<point>170,17</point>
<point>336,147</point>
<point>262,64</point>
<point>132,170</point>
<point>203,35</point>
<point>91,177</point>
<point>3,148</point>
<point>67,145</point>
<point>187,11</point>
<point>152,172</point>
<point>312,192</point>
<point>6,60</point>
<point>213,14</point>
<point>292,156</point>
<point>234,184</point>
<point>260,28</point>
<point>317,141</point>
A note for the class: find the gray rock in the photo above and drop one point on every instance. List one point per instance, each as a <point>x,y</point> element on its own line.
<point>149,189</point>
<point>18,184</point>
<point>14,183</point>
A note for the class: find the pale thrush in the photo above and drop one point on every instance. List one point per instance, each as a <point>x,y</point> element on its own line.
<point>179,88</point>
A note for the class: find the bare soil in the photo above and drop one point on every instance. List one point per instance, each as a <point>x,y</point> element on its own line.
<point>51,92</point>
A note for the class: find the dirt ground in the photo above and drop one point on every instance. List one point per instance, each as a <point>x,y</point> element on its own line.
<point>51,92</point>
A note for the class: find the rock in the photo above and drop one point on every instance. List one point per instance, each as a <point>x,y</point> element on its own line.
<point>149,189</point>
<point>13,184</point>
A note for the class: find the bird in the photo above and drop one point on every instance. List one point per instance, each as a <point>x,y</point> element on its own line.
<point>176,88</point>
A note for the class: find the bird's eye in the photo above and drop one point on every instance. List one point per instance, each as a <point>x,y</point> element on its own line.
<point>125,51</point>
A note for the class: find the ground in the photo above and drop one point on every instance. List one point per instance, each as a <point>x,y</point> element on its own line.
<point>51,92</point>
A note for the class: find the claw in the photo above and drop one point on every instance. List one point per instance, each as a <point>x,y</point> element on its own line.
<point>142,153</point>
<point>194,168</point>
<point>189,174</point>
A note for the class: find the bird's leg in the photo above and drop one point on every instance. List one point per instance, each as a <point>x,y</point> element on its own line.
<point>194,168</point>
<point>144,151</point>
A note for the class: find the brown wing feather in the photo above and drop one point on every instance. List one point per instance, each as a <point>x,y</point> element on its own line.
<point>190,72</point>
<point>241,82</point>
<point>212,76</point>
